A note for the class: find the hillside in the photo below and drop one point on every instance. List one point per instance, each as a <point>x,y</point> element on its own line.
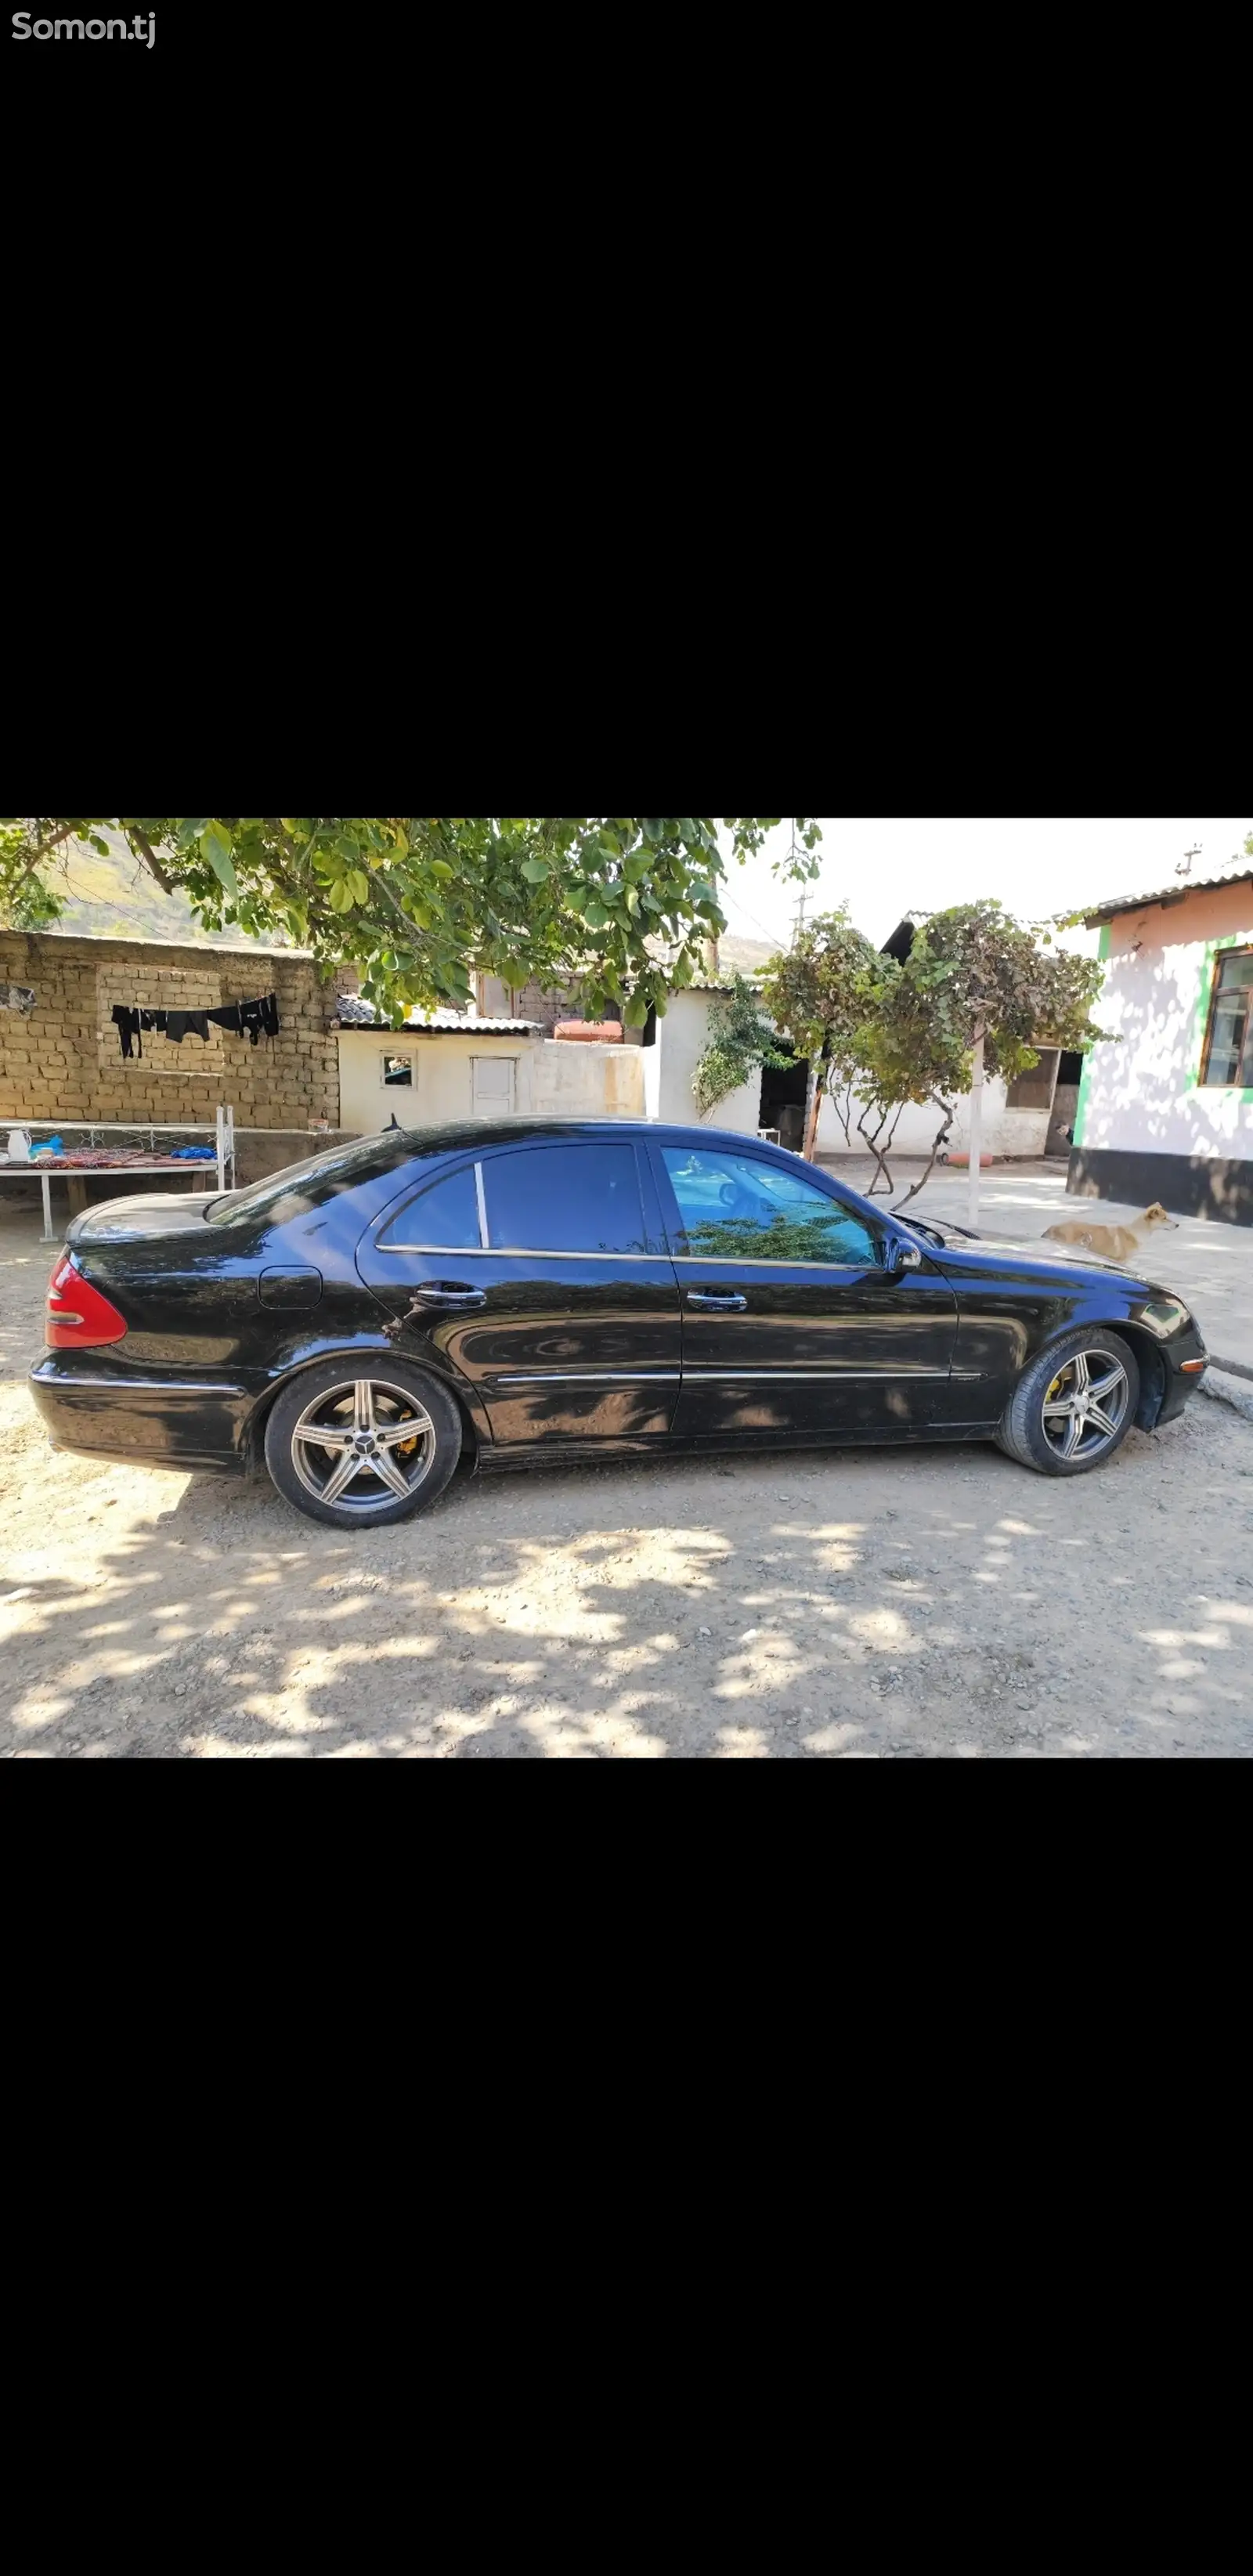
<point>748,955</point>
<point>117,897</point>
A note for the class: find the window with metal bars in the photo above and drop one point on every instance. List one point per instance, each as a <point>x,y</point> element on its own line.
<point>1229,1042</point>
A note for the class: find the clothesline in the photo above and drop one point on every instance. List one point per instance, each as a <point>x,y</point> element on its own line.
<point>255,1020</point>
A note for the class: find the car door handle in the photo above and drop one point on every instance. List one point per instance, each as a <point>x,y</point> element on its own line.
<point>449,1300</point>
<point>711,1304</point>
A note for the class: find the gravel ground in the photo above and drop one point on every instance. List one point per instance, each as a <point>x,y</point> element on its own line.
<point>843,1603</point>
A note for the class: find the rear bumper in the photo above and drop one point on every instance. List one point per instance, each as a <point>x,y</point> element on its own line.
<point>152,1422</point>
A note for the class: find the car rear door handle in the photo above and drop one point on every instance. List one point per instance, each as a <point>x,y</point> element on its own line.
<point>446,1298</point>
<point>716,1304</point>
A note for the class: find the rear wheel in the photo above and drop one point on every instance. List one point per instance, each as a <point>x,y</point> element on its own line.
<point>361,1444</point>
<point>1074,1406</point>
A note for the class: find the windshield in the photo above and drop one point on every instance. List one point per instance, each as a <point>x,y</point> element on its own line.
<point>301,1186</point>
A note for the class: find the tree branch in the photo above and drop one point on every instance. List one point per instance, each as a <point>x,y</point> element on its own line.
<point>950,1111</point>
<point>52,842</point>
<point>140,841</point>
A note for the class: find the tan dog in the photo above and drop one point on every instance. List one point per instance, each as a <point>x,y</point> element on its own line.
<point>1112,1242</point>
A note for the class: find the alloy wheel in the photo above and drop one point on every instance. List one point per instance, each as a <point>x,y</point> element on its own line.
<point>1085,1405</point>
<point>359,1437</point>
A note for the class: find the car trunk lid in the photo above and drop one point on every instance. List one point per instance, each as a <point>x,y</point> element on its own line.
<point>131,1220</point>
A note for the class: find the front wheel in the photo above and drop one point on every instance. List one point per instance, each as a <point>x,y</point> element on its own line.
<point>1074,1406</point>
<point>360,1443</point>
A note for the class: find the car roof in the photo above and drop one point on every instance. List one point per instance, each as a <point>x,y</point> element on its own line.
<point>518,1131</point>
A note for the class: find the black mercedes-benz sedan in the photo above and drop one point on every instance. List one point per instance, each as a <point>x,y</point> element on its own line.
<point>565,1289</point>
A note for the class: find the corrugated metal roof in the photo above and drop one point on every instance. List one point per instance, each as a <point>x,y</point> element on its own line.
<point>450,1024</point>
<point>1236,867</point>
<point>353,1013</point>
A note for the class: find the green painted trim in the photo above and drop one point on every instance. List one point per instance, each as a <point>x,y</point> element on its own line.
<point>1213,950</point>
<point>1085,1079</point>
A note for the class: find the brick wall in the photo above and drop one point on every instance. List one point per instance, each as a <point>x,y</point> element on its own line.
<point>65,1060</point>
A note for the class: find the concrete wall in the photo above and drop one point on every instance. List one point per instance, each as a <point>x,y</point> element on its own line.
<point>1144,1096</point>
<point>1016,1132</point>
<point>551,1078</point>
<point>682,1037</point>
<point>65,1060</point>
<point>571,1081</point>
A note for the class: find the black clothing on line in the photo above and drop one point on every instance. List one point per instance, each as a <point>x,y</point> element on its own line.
<point>127,1025</point>
<point>242,1019</point>
<point>253,1020</point>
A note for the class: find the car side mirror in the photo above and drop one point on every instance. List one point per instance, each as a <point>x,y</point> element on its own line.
<point>898,1255</point>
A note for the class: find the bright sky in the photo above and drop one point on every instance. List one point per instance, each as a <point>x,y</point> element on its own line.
<point>885,868</point>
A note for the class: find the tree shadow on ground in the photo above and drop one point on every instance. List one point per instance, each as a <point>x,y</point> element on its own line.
<point>788,1605</point>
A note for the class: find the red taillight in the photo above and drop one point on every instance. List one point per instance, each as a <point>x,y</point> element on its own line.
<point>78,1316</point>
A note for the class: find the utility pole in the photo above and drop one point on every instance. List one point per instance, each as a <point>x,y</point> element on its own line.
<point>799,923</point>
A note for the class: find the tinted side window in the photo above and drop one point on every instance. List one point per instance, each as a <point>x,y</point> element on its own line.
<point>564,1198</point>
<point>732,1207</point>
<point>444,1218</point>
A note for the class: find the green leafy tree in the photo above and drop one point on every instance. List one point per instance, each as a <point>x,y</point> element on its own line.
<point>29,856</point>
<point>821,994</point>
<point>740,1041</point>
<point>975,975</point>
<point>879,1034</point>
<point>418,903</point>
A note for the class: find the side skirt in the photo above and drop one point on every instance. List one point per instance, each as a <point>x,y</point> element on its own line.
<point>571,1453</point>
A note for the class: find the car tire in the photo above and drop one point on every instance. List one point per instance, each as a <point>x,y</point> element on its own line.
<point>1046,1424</point>
<point>398,1422</point>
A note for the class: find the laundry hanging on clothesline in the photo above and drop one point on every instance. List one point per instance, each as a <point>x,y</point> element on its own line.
<point>253,1020</point>
<point>132,1024</point>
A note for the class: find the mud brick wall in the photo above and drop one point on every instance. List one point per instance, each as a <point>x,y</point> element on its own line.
<point>65,1061</point>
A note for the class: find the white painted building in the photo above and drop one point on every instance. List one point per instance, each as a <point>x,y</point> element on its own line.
<point>1016,1120</point>
<point>444,1067</point>
<point>671,1051</point>
<point>1167,1112</point>
<point>1015,1117</point>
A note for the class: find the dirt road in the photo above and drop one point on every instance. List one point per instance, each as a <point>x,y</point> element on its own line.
<point>839,1604</point>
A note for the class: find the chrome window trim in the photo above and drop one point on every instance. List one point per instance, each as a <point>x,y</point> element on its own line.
<point>485,1244</point>
<point>681,1260</point>
<point>519,1252</point>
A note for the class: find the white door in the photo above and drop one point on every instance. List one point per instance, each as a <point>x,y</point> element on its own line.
<point>492,1085</point>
